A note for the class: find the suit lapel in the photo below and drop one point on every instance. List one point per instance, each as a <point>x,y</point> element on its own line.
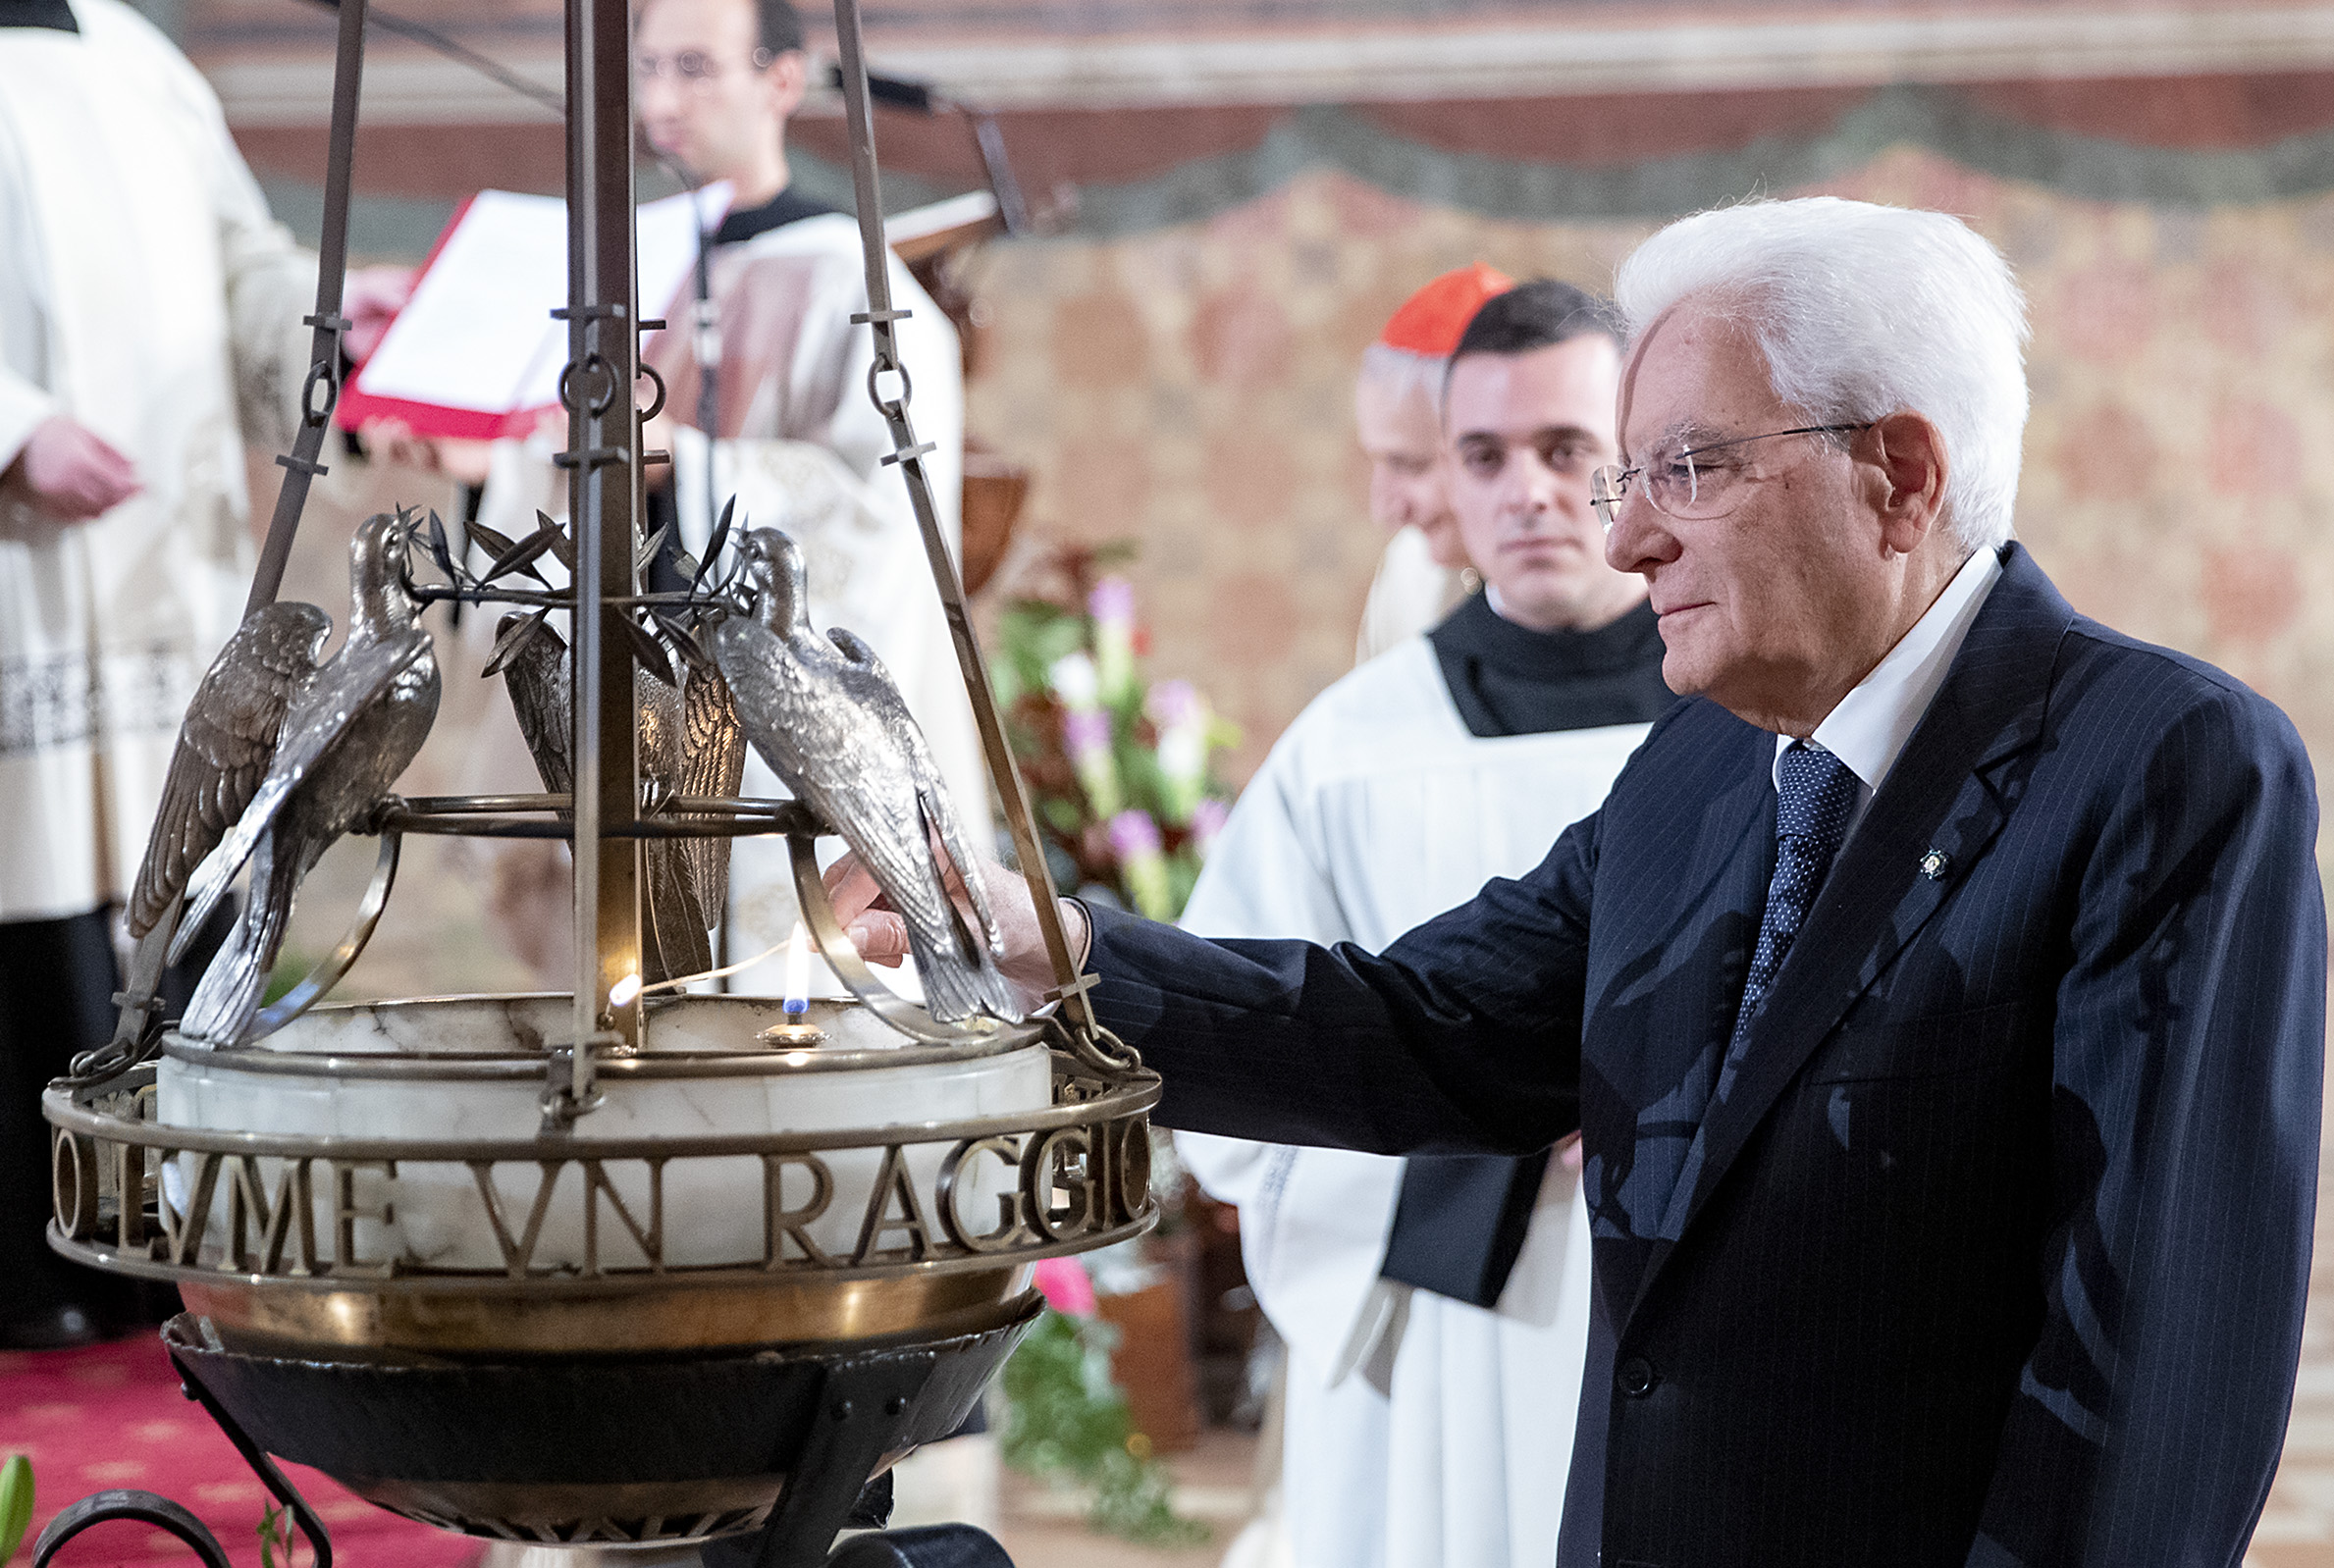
<point>1946,797</point>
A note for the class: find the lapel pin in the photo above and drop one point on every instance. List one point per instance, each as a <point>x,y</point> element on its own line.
<point>1934,864</point>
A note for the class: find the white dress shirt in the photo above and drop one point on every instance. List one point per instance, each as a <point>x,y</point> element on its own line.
<point>1868,730</point>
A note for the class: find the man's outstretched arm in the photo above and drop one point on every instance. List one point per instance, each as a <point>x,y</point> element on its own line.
<point>1464,1035</point>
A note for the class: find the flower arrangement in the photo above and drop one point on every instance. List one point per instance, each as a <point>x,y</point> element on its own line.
<point>1066,1421</point>
<point>1121,771</point>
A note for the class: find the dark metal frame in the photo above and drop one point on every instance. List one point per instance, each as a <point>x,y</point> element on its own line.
<point>863,1407</point>
<point>1083,1162</point>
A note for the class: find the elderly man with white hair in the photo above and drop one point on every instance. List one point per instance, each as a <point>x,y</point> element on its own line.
<point>1940,990</point>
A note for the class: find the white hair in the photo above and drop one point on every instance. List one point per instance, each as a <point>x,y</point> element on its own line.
<point>1865,311</point>
<point>1403,374</point>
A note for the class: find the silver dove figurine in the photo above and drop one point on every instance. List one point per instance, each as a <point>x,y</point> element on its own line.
<point>825,717</point>
<point>279,756</point>
<point>690,743</point>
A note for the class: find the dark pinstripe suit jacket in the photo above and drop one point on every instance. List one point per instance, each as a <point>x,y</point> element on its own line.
<point>1997,1248</point>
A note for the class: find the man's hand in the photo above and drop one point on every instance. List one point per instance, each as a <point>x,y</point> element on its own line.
<point>882,936</point>
<point>70,472</point>
<point>370,298</point>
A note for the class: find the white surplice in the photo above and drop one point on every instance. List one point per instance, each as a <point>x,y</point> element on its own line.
<point>1421,1430</point>
<point>802,449</point>
<point>146,293</point>
<point>1410,593</point>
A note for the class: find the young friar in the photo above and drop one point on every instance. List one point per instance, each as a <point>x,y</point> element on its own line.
<point>1436,1309</point>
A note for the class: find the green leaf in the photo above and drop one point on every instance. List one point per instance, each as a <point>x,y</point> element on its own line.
<point>492,541</point>
<point>16,1503</point>
<point>647,649</point>
<point>509,645</point>
<point>712,546</point>
<point>646,551</point>
<point>518,557</point>
<point>441,552</point>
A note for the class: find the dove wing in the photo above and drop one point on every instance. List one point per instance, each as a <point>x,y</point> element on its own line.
<point>224,747</point>
<point>835,755</point>
<point>713,764</point>
<point>536,677</point>
<point>354,679</point>
<point>871,683</point>
<point>676,922</point>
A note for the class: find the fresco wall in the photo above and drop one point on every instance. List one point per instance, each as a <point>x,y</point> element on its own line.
<point>1187,389</point>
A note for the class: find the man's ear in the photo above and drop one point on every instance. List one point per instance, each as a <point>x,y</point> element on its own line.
<point>1907,478</point>
<point>789,78</point>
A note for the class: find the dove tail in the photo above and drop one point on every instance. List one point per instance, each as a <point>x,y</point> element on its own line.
<point>961,981</point>
<point>678,936</point>
<point>231,987</point>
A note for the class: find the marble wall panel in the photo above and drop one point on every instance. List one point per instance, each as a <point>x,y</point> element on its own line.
<point>1189,389</point>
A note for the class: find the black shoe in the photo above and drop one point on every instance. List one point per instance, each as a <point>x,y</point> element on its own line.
<point>58,1329</point>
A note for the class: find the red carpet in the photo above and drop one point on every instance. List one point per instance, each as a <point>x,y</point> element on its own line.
<point>112,1416</point>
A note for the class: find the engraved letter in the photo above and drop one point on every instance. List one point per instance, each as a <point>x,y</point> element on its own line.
<point>651,1241</point>
<point>516,1255</point>
<point>892,1181</point>
<point>183,1229</point>
<point>247,1207</point>
<point>345,1214</point>
<point>781,1224</point>
<point>952,1175</point>
<point>72,1184</point>
<point>1073,1184</point>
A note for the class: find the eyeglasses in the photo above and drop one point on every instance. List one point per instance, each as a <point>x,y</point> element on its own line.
<point>694,69</point>
<point>1683,482</point>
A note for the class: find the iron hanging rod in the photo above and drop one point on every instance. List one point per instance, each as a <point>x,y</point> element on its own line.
<point>485,65</point>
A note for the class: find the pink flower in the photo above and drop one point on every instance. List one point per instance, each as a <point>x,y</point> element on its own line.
<point>1112,602</point>
<point>1086,732</point>
<point>1172,704</point>
<point>1065,1286</point>
<point>1133,835</point>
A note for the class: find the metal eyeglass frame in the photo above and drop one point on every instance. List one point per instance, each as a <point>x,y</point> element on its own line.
<point>1609,486</point>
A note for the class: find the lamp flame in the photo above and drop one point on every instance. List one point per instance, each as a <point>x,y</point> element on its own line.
<point>623,991</point>
<point>798,973</point>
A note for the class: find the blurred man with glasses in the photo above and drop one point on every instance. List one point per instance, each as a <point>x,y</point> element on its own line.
<point>799,443</point>
<point>796,439</point>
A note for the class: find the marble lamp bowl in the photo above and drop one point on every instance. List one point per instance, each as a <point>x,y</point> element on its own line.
<point>729,1192</point>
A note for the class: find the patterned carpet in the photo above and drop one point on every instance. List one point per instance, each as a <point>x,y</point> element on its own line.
<point>112,1416</point>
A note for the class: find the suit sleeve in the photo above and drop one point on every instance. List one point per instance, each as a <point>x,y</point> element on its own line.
<point>1262,877</point>
<point>1464,1037</point>
<point>2187,1060</point>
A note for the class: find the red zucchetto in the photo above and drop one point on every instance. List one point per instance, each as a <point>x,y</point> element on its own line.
<point>1431,320</point>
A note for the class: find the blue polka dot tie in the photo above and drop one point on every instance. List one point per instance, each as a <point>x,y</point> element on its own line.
<point>1815,796</point>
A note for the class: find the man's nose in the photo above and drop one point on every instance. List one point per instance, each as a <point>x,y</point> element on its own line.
<point>654,95</point>
<point>1638,542</point>
<point>1541,487</point>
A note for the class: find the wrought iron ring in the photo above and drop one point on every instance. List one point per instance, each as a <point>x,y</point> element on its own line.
<point>319,371</point>
<point>601,400</point>
<point>657,407</point>
<point>906,385</point>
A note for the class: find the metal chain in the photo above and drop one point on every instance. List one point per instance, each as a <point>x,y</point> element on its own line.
<point>1088,1041</point>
